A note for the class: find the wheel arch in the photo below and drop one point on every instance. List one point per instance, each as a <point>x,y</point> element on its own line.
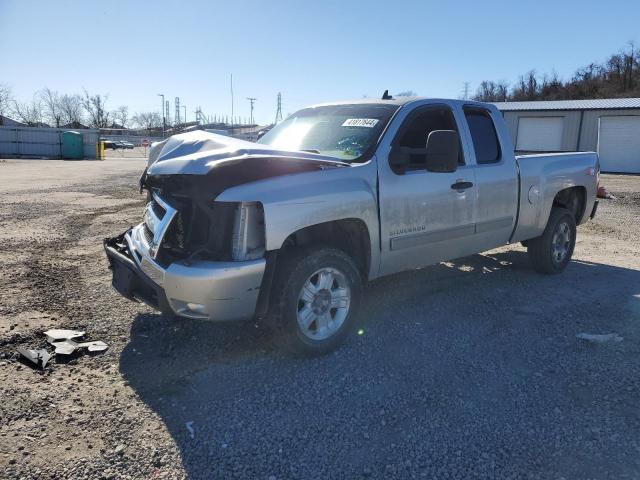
<point>573,199</point>
<point>351,235</point>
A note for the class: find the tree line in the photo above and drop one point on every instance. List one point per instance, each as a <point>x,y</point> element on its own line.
<point>618,76</point>
<point>55,109</point>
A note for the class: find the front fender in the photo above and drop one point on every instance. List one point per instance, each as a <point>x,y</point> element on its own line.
<point>293,202</point>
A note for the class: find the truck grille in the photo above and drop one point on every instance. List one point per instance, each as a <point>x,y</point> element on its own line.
<point>148,234</point>
<point>158,216</point>
<point>158,209</point>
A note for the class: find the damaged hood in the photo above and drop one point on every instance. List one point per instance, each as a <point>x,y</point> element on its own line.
<point>203,153</point>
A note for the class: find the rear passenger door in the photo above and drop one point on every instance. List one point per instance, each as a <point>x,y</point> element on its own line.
<point>496,179</point>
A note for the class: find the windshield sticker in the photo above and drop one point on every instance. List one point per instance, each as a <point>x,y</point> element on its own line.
<point>360,122</point>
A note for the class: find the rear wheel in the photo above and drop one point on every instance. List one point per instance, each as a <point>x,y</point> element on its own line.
<point>552,251</point>
<point>316,296</point>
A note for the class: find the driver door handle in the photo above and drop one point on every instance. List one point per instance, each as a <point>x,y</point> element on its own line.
<point>461,185</point>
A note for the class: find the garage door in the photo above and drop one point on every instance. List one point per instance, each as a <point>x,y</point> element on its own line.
<point>540,134</point>
<point>619,144</point>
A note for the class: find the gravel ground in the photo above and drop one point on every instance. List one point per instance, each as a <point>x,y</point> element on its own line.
<point>468,369</point>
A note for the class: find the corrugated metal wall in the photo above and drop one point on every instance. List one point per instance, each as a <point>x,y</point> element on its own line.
<point>589,137</point>
<point>574,138</point>
<point>571,125</point>
<point>42,142</point>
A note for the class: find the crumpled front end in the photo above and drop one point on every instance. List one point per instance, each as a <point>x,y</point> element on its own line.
<point>151,265</point>
<point>195,256</point>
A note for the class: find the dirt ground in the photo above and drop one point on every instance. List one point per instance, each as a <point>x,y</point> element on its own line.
<point>468,369</point>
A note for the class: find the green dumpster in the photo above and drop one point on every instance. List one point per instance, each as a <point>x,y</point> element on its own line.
<point>72,145</point>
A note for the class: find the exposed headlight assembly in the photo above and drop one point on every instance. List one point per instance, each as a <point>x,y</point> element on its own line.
<point>248,242</point>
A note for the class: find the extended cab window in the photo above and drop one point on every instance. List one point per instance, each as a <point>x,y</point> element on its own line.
<point>415,130</point>
<point>483,134</point>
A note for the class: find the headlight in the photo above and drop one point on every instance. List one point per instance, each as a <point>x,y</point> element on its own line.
<point>248,232</point>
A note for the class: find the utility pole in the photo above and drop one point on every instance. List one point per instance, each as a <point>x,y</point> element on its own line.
<point>176,104</point>
<point>232,103</point>
<point>168,116</point>
<point>164,122</point>
<point>185,113</point>
<point>251,102</point>
<point>279,109</point>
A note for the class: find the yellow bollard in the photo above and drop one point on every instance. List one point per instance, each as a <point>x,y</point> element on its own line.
<point>100,150</point>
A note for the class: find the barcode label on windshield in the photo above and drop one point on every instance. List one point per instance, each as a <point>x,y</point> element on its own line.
<point>360,122</point>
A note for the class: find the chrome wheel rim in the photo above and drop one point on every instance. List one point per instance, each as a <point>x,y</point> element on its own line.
<point>323,303</point>
<point>561,242</point>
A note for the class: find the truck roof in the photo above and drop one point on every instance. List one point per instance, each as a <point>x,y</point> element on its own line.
<point>399,101</point>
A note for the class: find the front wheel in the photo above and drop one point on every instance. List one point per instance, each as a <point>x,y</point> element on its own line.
<point>552,251</point>
<point>316,296</point>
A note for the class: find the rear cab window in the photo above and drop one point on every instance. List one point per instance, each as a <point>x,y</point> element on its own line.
<point>484,136</point>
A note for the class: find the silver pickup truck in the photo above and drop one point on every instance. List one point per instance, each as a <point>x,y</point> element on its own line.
<point>289,229</point>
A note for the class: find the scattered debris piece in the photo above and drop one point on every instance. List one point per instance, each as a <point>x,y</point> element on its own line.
<point>190,429</point>
<point>56,334</point>
<point>62,341</point>
<point>67,347</point>
<point>604,193</point>
<point>39,357</point>
<point>63,344</point>
<point>600,338</point>
<point>119,450</point>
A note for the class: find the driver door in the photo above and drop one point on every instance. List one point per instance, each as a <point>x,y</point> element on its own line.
<point>426,217</point>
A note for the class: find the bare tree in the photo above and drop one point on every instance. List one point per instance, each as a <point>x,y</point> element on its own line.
<point>50,101</point>
<point>71,107</point>
<point>121,115</point>
<point>148,120</point>
<point>28,113</point>
<point>552,87</point>
<point>527,88</point>
<point>5,100</point>
<point>95,106</point>
<point>487,91</point>
<point>502,91</point>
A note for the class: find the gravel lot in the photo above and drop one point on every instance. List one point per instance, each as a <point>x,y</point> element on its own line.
<point>468,369</point>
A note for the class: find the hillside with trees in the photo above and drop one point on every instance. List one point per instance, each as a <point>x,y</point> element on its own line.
<point>618,76</point>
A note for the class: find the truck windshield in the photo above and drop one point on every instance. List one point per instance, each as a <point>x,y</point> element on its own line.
<point>346,132</point>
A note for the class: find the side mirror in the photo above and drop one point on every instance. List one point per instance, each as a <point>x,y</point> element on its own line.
<point>443,150</point>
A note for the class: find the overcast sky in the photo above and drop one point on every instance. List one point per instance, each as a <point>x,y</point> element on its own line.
<point>311,51</point>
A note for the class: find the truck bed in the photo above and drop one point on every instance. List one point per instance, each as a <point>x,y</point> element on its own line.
<point>541,176</point>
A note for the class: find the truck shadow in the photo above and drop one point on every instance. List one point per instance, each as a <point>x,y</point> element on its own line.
<point>435,347</point>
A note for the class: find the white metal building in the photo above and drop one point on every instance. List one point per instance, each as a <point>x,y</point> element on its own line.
<point>610,127</point>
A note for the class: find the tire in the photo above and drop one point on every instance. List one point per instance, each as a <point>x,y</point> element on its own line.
<point>551,252</point>
<point>331,278</point>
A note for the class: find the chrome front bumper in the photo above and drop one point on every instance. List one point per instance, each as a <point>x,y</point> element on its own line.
<point>198,289</point>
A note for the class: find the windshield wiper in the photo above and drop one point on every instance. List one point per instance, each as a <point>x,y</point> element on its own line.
<point>310,150</point>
